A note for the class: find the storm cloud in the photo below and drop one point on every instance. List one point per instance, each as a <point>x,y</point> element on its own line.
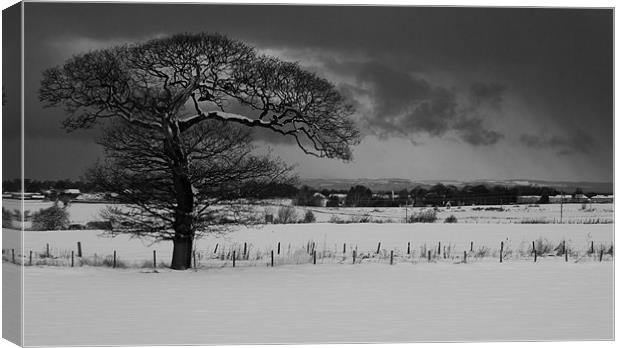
<point>404,104</point>
<point>574,143</point>
<point>490,82</point>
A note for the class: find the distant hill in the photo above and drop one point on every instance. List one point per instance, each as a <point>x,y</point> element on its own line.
<point>389,184</point>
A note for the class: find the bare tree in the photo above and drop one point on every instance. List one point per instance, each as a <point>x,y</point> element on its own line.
<point>151,86</point>
<point>137,168</point>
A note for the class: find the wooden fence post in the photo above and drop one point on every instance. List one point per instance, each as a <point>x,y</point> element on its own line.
<point>47,250</point>
<point>314,257</point>
<point>13,255</point>
<point>30,258</point>
<point>429,256</point>
<point>278,248</point>
<point>79,249</point>
<point>155,259</point>
<point>234,257</point>
<point>71,258</point>
<point>344,248</point>
<point>391,257</point>
<point>565,253</point>
<point>354,255</point>
<point>194,257</point>
<point>591,247</point>
<point>464,256</point>
<point>534,250</point>
<point>272,258</point>
<point>378,247</point>
<point>439,249</point>
<point>471,246</point>
<point>408,248</point>
<point>215,250</point>
<point>114,260</point>
<point>600,258</point>
<point>501,252</point>
<point>245,248</point>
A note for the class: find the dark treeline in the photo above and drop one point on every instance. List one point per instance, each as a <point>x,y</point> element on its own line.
<point>437,195</point>
<point>30,185</point>
<point>356,196</point>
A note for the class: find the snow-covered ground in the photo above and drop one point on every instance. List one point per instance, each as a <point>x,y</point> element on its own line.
<point>333,301</point>
<point>322,303</point>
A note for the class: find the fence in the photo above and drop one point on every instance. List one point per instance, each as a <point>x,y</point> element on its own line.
<point>246,255</point>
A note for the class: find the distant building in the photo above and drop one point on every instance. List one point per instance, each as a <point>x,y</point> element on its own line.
<point>72,192</point>
<point>581,198</point>
<point>24,195</point>
<point>602,199</point>
<point>528,199</point>
<point>560,199</point>
<point>319,199</point>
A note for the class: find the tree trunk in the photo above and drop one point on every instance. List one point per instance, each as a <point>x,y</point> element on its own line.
<point>183,218</point>
<point>183,224</point>
<point>182,251</point>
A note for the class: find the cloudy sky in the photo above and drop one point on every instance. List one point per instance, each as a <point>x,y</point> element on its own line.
<point>440,93</point>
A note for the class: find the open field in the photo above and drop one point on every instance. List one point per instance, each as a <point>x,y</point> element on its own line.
<point>81,213</point>
<point>322,303</point>
<point>332,301</point>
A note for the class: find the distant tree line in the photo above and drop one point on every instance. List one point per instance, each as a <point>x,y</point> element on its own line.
<point>437,195</point>
<point>356,196</point>
<point>32,185</point>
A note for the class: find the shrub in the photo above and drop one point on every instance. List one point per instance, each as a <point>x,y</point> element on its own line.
<point>451,219</point>
<point>335,219</point>
<point>7,218</point>
<point>543,247</point>
<point>286,215</point>
<point>52,218</point>
<point>99,225</point>
<point>428,216</point>
<point>309,217</point>
<point>482,251</point>
<point>364,219</point>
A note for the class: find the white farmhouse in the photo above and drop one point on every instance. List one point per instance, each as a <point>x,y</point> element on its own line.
<point>560,199</point>
<point>602,199</point>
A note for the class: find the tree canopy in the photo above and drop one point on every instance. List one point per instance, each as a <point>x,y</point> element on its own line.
<point>184,79</point>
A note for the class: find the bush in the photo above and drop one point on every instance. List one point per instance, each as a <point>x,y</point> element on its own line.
<point>543,246</point>
<point>482,252</point>
<point>428,216</point>
<point>99,225</point>
<point>52,218</point>
<point>451,219</point>
<point>335,219</point>
<point>7,218</point>
<point>359,219</point>
<point>309,217</point>
<point>286,215</point>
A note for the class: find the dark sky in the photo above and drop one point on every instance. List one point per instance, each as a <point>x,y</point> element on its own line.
<point>440,93</point>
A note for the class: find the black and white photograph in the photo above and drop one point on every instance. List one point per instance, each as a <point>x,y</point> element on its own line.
<point>233,174</point>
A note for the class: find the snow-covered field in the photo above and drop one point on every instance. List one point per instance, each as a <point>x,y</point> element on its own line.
<point>81,213</point>
<point>322,303</point>
<point>333,301</point>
